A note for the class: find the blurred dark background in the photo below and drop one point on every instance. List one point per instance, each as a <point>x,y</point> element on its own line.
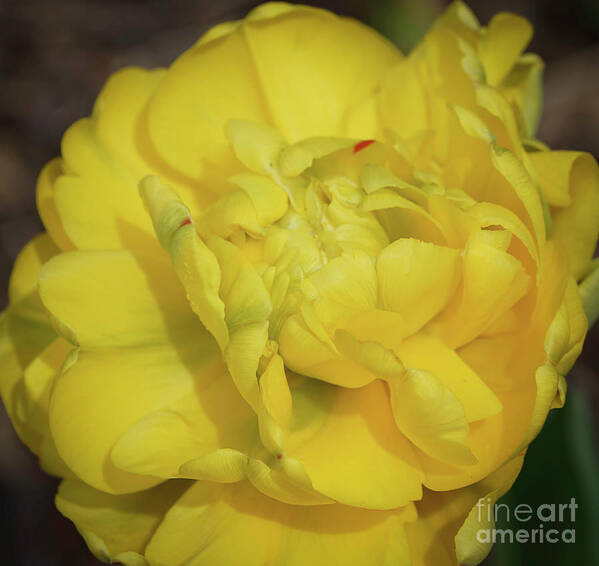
<point>55,56</point>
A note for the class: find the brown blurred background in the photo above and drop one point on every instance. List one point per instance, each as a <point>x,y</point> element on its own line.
<point>54,58</point>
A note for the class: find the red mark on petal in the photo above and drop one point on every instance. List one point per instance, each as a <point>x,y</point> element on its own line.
<point>362,145</point>
<point>185,222</point>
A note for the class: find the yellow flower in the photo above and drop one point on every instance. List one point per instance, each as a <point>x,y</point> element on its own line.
<point>339,312</point>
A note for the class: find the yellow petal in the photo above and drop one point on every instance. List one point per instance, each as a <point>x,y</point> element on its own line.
<point>242,289</point>
<point>296,56</point>
<point>22,339</point>
<point>346,285</point>
<point>287,482</point>
<point>553,281</point>
<point>114,299</point>
<point>23,279</point>
<point>416,279</point>
<point>25,332</point>
<point>275,391</point>
<point>194,427</point>
<point>443,534</point>
<point>370,354</point>
<point>349,445</point>
<point>493,281</point>
<point>46,207</point>
<point>268,198</point>
<point>255,145</point>
<point>431,416</point>
<point>525,392</point>
<point>187,115</point>
<point>38,380</point>
<point>102,394</point>
<point>425,352</point>
<point>238,525</point>
<point>374,177</point>
<point>117,528</point>
<point>230,214</point>
<point>107,299</point>
<point>514,181</point>
<point>505,39</point>
<point>401,218</point>
<point>489,214</point>
<point>223,465</point>
<point>242,357</point>
<point>548,384</point>
<point>104,157</point>
<point>469,550</point>
<point>563,342</point>
<point>570,182</point>
<point>402,100</point>
<point>298,157</point>
<point>499,363</point>
<point>458,225</point>
<point>305,353</point>
<point>388,328</point>
<point>195,265</point>
<point>523,88</point>
<point>462,20</point>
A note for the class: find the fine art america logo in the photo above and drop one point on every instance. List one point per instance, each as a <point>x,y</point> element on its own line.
<point>548,523</point>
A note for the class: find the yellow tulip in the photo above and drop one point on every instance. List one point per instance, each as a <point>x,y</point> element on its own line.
<point>302,299</point>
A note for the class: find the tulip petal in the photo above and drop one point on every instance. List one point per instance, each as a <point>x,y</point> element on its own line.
<point>563,342</point>
<point>515,190</point>
<point>431,416</point>
<point>428,353</point>
<point>236,524</point>
<point>190,428</point>
<point>523,88</point>
<point>23,280</point>
<point>101,394</point>
<point>402,99</point>
<point>401,218</point>
<point>96,195</point>
<point>505,39</point>
<point>469,550</point>
<point>457,225</point>
<point>489,214</point>
<point>268,199</point>
<point>287,483</point>
<point>46,207</point>
<point>223,465</point>
<point>21,341</point>
<point>446,520</point>
<point>117,528</point>
<point>305,353</point>
<point>142,348</point>
<point>493,281</point>
<point>223,288</point>
<point>255,145</point>
<point>194,263</point>
<point>188,112</point>
<point>570,182</point>
<point>25,332</point>
<point>416,279</point>
<point>296,57</point>
<point>108,299</point>
<point>525,391</point>
<point>350,447</point>
<point>296,158</point>
<point>38,380</point>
